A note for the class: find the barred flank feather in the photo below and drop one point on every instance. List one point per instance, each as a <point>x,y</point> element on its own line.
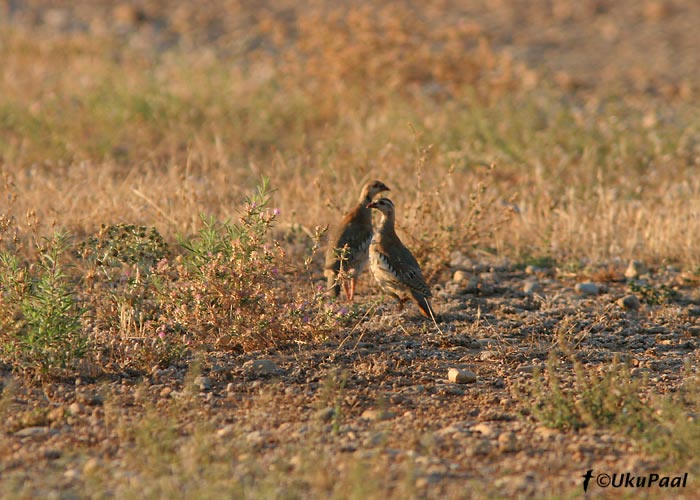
<point>393,265</point>
<point>347,249</point>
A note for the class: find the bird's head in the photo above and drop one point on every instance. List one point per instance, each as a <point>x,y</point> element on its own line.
<point>372,188</point>
<point>384,205</point>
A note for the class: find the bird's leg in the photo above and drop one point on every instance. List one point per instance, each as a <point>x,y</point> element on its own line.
<point>352,289</point>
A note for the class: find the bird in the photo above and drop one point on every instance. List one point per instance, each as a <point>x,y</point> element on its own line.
<point>346,256</point>
<point>393,265</point>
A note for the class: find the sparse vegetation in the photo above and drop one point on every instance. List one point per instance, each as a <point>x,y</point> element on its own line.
<point>651,294</point>
<point>169,170</point>
<point>41,315</point>
<point>570,396</point>
<point>677,429</point>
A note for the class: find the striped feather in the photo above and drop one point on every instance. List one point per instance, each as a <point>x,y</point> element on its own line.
<point>394,266</point>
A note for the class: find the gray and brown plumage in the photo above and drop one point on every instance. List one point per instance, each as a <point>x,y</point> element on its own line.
<point>393,265</point>
<point>346,256</point>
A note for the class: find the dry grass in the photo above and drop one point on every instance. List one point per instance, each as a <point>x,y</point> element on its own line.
<point>94,132</point>
<point>141,134</point>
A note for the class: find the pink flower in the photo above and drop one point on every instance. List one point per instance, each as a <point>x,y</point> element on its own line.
<point>161,332</point>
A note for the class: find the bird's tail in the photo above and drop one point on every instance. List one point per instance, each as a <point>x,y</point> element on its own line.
<point>424,305</point>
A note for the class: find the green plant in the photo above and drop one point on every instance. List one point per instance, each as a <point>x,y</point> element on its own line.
<point>567,395</point>
<point>40,297</point>
<point>229,286</point>
<point>552,404</point>
<point>676,435</point>
<point>541,261</point>
<point>120,291</point>
<point>115,246</point>
<point>611,398</point>
<point>652,295</point>
<point>242,240</point>
<point>331,396</point>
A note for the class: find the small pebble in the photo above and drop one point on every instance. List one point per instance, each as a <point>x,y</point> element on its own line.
<point>327,414</point>
<point>56,414</point>
<point>261,367</point>
<point>91,465</point>
<point>531,286</point>
<point>203,383</point>
<point>76,409</point>
<point>72,474</point>
<point>587,288</point>
<point>630,302</point>
<point>508,442</point>
<point>472,286</point>
<point>484,429</point>
<point>530,269</point>
<point>377,414</point>
<point>226,431</point>
<point>635,269</point>
<point>32,431</point>
<point>460,276</point>
<point>459,376</point>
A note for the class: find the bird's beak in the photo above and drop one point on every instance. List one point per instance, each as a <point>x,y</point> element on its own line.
<point>372,204</point>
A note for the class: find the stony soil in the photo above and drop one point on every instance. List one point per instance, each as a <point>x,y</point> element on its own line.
<point>381,389</point>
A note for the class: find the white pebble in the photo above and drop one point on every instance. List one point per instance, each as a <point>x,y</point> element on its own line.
<point>459,376</point>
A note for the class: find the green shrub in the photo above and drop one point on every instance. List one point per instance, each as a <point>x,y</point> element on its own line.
<point>231,287</point>
<point>41,314</point>
<point>568,395</point>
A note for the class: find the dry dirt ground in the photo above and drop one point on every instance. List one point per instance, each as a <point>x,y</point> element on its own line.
<point>379,392</point>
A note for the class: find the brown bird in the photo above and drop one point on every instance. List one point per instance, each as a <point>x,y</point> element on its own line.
<point>346,256</point>
<point>393,265</point>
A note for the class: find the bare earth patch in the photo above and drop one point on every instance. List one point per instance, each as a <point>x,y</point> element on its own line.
<point>577,366</point>
<point>378,397</point>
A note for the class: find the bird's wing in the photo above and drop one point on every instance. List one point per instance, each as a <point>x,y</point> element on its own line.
<point>357,238</point>
<point>406,268</point>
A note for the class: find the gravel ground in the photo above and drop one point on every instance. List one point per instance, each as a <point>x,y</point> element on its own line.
<point>385,390</point>
<point>382,391</point>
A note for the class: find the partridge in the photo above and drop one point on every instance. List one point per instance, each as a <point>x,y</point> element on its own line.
<point>393,265</point>
<point>346,256</point>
